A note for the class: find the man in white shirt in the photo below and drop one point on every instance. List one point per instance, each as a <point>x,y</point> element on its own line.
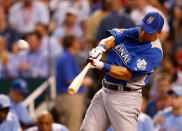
<point>24,15</point>
<point>59,16</point>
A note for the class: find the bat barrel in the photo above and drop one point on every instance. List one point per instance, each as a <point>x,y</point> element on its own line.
<point>71,91</point>
<point>77,82</point>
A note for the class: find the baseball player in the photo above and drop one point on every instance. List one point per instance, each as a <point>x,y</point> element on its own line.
<point>133,55</point>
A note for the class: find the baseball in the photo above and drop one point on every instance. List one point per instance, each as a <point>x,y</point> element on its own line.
<point>22,44</point>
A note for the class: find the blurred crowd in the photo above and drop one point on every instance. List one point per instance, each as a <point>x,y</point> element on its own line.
<point>60,34</point>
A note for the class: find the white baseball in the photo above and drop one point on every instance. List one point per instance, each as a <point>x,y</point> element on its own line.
<point>22,44</point>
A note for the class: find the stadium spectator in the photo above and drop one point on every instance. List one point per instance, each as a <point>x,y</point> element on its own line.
<point>45,122</point>
<point>85,45</point>
<point>69,107</point>
<point>59,16</point>
<point>178,80</point>
<point>84,27</point>
<point>24,15</point>
<point>8,121</point>
<point>4,57</point>
<point>6,4</point>
<point>162,101</point>
<point>17,93</point>
<point>50,46</point>
<point>13,59</point>
<point>115,19</point>
<point>142,7</point>
<point>43,30</point>
<point>170,118</point>
<point>32,62</point>
<point>70,26</point>
<point>177,26</point>
<point>167,66</point>
<point>95,19</point>
<point>15,49</point>
<point>95,5</point>
<point>164,5</point>
<point>159,5</point>
<point>130,5</point>
<point>6,30</point>
<point>145,122</point>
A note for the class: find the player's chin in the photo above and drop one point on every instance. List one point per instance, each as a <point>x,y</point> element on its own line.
<point>143,40</point>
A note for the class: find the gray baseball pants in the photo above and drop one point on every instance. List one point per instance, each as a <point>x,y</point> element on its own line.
<point>117,108</point>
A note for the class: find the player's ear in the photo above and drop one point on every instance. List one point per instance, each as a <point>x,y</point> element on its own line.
<point>157,34</point>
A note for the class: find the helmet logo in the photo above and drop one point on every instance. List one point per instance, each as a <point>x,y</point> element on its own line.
<point>150,19</point>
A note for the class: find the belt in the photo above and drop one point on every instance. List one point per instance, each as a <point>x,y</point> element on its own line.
<point>115,87</point>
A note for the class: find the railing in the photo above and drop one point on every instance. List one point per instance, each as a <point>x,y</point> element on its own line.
<point>30,100</point>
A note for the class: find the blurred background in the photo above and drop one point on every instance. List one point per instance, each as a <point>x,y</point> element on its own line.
<point>60,33</point>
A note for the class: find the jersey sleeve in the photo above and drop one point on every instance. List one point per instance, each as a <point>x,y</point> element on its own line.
<point>145,63</point>
<point>121,35</point>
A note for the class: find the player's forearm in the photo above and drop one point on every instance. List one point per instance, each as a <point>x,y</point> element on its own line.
<point>118,72</point>
<point>104,45</point>
<point>108,43</point>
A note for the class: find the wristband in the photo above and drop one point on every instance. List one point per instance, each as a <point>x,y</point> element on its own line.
<point>107,67</point>
<point>102,45</point>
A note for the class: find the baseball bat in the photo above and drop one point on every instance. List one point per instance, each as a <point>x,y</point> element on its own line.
<point>76,83</point>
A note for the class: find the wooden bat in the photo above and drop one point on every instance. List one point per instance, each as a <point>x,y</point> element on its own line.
<point>76,83</point>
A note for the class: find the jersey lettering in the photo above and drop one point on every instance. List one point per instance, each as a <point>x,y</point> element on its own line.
<point>123,53</point>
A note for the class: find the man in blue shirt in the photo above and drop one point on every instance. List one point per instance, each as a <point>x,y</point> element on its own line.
<point>133,55</point>
<point>8,121</point>
<point>69,107</point>
<point>32,62</point>
<point>17,92</point>
<point>170,119</point>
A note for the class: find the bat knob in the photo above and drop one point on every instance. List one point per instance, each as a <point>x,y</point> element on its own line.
<point>89,60</point>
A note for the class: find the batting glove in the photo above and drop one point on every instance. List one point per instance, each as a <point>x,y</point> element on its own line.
<point>97,64</point>
<point>96,53</point>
